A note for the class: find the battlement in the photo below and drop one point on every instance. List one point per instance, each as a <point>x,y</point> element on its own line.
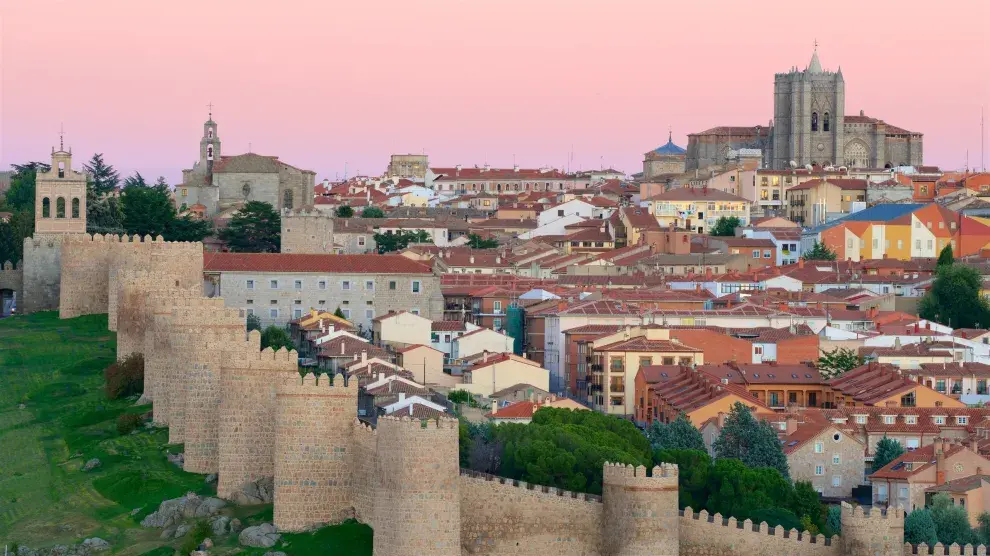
<point>11,266</point>
<point>628,475</point>
<point>304,212</point>
<point>941,550</point>
<point>406,422</point>
<point>733,528</point>
<point>315,386</point>
<point>858,512</point>
<point>467,474</point>
<point>360,427</point>
<point>124,238</point>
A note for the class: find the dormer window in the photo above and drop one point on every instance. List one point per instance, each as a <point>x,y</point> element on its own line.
<point>861,419</point>
<point>962,420</point>
<point>939,419</point>
<point>889,419</point>
<point>911,419</point>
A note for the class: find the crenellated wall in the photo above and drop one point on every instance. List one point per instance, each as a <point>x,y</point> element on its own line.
<point>503,516</point>
<point>314,417</point>
<point>702,534</point>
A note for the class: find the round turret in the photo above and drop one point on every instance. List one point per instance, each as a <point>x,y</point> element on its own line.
<point>641,516</point>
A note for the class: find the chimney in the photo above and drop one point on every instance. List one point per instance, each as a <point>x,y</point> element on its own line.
<point>720,419</point>
<point>494,406</point>
<point>792,425</point>
<point>940,450</point>
<point>402,396</point>
<point>342,348</point>
<point>975,446</point>
<point>364,355</point>
<point>484,356</point>
<point>801,263</point>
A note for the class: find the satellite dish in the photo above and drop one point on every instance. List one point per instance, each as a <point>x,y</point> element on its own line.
<point>793,164</point>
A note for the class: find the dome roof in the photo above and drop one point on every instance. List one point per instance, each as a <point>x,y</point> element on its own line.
<point>669,148</point>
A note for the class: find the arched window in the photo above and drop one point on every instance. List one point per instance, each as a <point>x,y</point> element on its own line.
<point>60,207</point>
<point>75,207</point>
<point>246,189</point>
<point>825,123</point>
<point>209,132</point>
<point>287,199</point>
<point>209,152</point>
<point>814,121</point>
<point>61,169</point>
<point>46,208</point>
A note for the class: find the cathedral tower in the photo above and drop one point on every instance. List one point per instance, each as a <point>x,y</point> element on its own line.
<point>60,197</point>
<point>808,115</point>
<point>209,145</point>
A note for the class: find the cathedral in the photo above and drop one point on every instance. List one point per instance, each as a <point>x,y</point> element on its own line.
<point>810,126</point>
<point>222,184</point>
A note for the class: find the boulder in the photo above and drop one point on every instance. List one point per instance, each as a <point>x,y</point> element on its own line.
<point>91,464</point>
<point>220,525</point>
<point>96,544</point>
<point>211,478</point>
<point>173,511</point>
<point>278,553</point>
<point>235,526</point>
<point>181,530</point>
<point>177,459</point>
<point>199,553</point>
<point>167,534</point>
<point>264,536</point>
<point>255,492</point>
<point>206,544</point>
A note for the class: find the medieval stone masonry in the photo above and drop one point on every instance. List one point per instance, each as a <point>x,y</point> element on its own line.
<point>248,415</point>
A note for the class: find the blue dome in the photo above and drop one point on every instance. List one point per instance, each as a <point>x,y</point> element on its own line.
<point>669,148</point>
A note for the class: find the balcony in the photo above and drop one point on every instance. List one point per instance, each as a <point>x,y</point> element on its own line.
<point>595,367</point>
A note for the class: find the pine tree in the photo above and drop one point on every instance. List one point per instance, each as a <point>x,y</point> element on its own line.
<point>146,210</point>
<point>945,257</point>
<point>887,451</point>
<point>836,362</point>
<point>338,313</point>
<point>954,298</point>
<point>137,180</point>
<point>725,226</point>
<point>256,228</point>
<point>752,442</point>
<point>819,252</point>
<point>372,212</point>
<point>679,434</point>
<point>102,178</point>
<point>344,211</point>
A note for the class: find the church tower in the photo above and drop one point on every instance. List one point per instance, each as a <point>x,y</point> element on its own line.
<point>809,111</point>
<point>209,145</point>
<point>60,197</point>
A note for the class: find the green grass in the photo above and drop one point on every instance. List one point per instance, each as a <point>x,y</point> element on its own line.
<point>55,369</point>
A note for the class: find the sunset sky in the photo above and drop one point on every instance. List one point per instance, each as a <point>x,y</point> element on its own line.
<point>326,83</point>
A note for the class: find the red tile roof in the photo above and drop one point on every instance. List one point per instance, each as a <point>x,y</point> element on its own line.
<point>448,326</point>
<point>293,262</point>
<point>643,344</point>
<point>843,183</point>
<point>696,194</point>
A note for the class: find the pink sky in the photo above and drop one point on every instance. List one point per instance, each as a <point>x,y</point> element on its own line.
<point>321,83</point>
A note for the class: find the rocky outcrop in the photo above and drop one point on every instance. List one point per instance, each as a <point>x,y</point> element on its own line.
<point>257,492</point>
<point>264,536</point>
<point>174,511</point>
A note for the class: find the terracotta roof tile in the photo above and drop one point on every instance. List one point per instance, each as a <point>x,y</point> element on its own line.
<point>294,262</point>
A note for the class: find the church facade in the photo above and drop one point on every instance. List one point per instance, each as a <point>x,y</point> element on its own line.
<point>220,183</point>
<point>810,127</point>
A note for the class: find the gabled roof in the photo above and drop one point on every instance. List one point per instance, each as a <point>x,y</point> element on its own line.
<point>296,262</point>
<point>696,194</point>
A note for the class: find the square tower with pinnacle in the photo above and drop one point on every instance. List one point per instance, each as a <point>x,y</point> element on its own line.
<point>60,197</point>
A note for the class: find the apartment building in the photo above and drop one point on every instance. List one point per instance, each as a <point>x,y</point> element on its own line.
<point>279,287</point>
<point>697,209</point>
<point>811,203</point>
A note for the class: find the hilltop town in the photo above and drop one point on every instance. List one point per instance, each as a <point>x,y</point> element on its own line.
<point>773,340</point>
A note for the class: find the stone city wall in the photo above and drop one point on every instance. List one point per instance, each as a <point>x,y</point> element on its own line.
<point>702,534</point>
<point>135,289</point>
<point>314,418</point>
<point>865,533</point>
<point>942,550</point>
<point>365,450</point>
<point>503,516</point>
<point>417,495</point>
<point>158,358</point>
<point>42,273</point>
<point>247,411</point>
<point>640,509</point>
<point>177,263</point>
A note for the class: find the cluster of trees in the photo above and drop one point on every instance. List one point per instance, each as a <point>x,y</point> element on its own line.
<point>725,226</point>
<point>139,208</point>
<point>475,241</point>
<point>834,363</point>
<point>345,211</point>
<point>819,252</point>
<point>274,337</point>
<point>255,228</point>
<point>944,522</point>
<point>399,240</point>
<point>954,298</point>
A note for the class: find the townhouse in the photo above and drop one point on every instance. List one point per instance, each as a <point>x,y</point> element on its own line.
<point>697,208</point>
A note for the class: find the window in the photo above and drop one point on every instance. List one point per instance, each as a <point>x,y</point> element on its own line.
<point>861,419</point>
<point>819,447</point>
<point>758,350</point>
<point>889,419</point>
<point>962,420</point>
<point>756,253</point>
<point>369,303</point>
<point>911,419</point>
<point>345,285</point>
<point>347,313</point>
<point>249,284</point>
<point>903,493</point>
<point>941,225</point>
<point>75,207</point>
<point>766,253</point>
<point>819,470</point>
<point>273,302</point>
<point>416,286</point>
<point>836,480</point>
<point>323,284</point>
<point>912,443</point>
<point>287,199</point>
<point>849,198</point>
<point>299,302</point>
<point>46,208</point>
<point>60,207</point>
<point>297,284</point>
<point>369,285</point>
<point>900,244</point>
<point>876,244</point>
<point>391,285</point>
<point>849,244</point>
<point>862,244</point>
<point>250,302</point>
<point>414,311</point>
<point>560,212</point>
<point>369,313</point>
<point>273,284</point>
<point>825,127</point>
<point>497,306</point>
<point>836,460</point>
<point>250,312</point>
<point>939,420</point>
<point>446,338</point>
<point>496,323</point>
<point>929,244</point>
<point>814,121</point>
<point>882,493</point>
<point>917,244</point>
<point>296,313</point>
<point>273,313</point>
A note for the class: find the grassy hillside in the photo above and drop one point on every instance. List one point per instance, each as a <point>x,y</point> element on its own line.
<point>54,417</point>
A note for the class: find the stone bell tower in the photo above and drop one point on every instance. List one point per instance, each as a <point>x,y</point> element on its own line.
<point>60,197</point>
<point>209,145</point>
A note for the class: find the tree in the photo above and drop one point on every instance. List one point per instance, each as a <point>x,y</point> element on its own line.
<point>836,362</point>
<point>20,194</point>
<point>188,228</point>
<point>253,322</point>
<point>819,252</point>
<point>951,521</point>
<point>833,523</point>
<point>344,211</point>
<point>945,257</point>
<point>954,298</point>
<point>398,241</point>
<point>693,475</point>
<point>679,434</point>
<point>256,228</point>
<point>919,527</point>
<point>104,215</point>
<point>983,530</point>
<point>146,210</point>
<point>751,441</point>
<point>101,178</point>
<point>887,451</point>
<point>276,337</point>
<point>12,234</point>
<point>475,241</point>
<point>339,314</point>
<point>372,212</point>
<point>725,226</point>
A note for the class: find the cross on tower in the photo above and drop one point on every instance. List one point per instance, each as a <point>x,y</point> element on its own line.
<point>816,44</point>
<point>61,137</point>
<point>210,107</point>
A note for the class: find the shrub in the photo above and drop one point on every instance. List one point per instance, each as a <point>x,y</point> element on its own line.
<point>276,338</point>
<point>253,322</point>
<point>460,396</point>
<point>128,423</point>
<point>125,377</point>
<point>199,532</point>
